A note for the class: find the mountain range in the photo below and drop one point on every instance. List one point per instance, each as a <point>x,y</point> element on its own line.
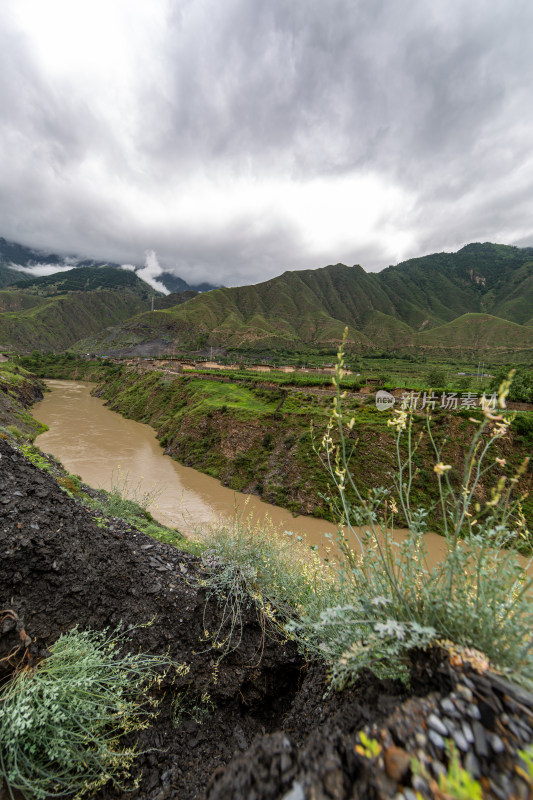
<point>478,301</point>
<point>473,302</point>
<point>18,262</point>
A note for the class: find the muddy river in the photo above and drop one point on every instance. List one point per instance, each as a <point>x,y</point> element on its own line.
<point>105,449</point>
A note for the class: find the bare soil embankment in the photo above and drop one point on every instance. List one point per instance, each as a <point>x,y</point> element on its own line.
<point>274,731</point>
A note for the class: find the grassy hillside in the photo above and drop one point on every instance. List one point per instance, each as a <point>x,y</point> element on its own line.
<point>391,310</point>
<point>19,389</point>
<point>256,437</point>
<point>52,312</point>
<point>477,334</point>
<point>54,323</point>
<point>8,276</point>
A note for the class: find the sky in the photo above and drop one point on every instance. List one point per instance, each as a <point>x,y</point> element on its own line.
<point>230,140</point>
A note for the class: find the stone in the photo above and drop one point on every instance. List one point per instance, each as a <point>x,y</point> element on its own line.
<point>420,739</point>
<point>496,743</point>
<point>436,740</point>
<point>471,764</point>
<point>467,731</point>
<point>473,711</point>
<point>449,708</point>
<point>460,741</point>
<point>397,762</point>
<point>437,725</point>
<point>480,740</point>
<point>465,691</point>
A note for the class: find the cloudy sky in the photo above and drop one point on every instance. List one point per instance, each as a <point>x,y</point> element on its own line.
<point>241,138</point>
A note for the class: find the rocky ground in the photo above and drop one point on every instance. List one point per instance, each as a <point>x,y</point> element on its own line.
<point>271,728</point>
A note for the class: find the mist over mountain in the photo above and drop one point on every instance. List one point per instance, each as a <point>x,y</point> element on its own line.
<point>18,262</point>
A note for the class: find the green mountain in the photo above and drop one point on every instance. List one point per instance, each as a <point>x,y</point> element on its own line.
<point>14,256</point>
<point>475,301</point>
<point>86,279</point>
<point>53,312</point>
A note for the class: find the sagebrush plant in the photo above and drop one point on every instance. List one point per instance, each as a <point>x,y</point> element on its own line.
<point>61,722</point>
<point>251,562</point>
<point>390,597</point>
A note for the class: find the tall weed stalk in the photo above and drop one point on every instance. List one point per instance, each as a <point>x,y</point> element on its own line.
<point>390,597</point>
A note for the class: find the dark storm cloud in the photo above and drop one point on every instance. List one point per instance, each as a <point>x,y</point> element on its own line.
<point>238,119</point>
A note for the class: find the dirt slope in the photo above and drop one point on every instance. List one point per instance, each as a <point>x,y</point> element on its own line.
<point>273,731</point>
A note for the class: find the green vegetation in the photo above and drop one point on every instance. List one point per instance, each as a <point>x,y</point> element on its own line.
<point>249,563</point>
<point>67,365</point>
<point>390,598</point>
<point>254,435</point>
<point>456,783</point>
<point>521,387</point>
<point>384,598</point>
<point>130,503</point>
<point>86,279</point>
<point>527,770</point>
<point>18,390</point>
<point>61,722</point>
<point>473,303</point>
<point>187,705</point>
<point>58,321</point>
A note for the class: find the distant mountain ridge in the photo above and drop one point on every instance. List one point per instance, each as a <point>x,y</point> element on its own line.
<point>478,300</point>
<point>53,312</point>
<point>85,279</point>
<point>14,255</point>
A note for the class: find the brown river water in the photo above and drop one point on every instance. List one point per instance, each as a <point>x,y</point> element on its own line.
<point>104,449</point>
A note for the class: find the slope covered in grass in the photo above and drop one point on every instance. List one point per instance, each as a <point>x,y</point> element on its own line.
<point>310,309</point>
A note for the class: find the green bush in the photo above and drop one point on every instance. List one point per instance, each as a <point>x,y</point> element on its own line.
<point>249,562</point>
<point>390,598</point>
<point>61,722</point>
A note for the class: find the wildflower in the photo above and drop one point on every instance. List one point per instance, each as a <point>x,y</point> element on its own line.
<point>501,461</point>
<point>400,421</point>
<point>487,409</point>
<point>501,428</point>
<point>441,468</point>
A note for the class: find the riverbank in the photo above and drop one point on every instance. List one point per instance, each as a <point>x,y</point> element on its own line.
<point>19,391</point>
<point>258,439</point>
<point>265,724</point>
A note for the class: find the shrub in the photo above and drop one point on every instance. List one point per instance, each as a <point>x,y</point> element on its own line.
<point>61,722</point>
<point>250,562</point>
<point>390,598</point>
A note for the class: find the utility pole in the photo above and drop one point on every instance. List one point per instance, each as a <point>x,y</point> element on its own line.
<point>152,302</point>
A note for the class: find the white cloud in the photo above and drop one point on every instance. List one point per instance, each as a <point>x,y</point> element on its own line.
<point>40,270</point>
<point>150,272</point>
<point>240,139</point>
